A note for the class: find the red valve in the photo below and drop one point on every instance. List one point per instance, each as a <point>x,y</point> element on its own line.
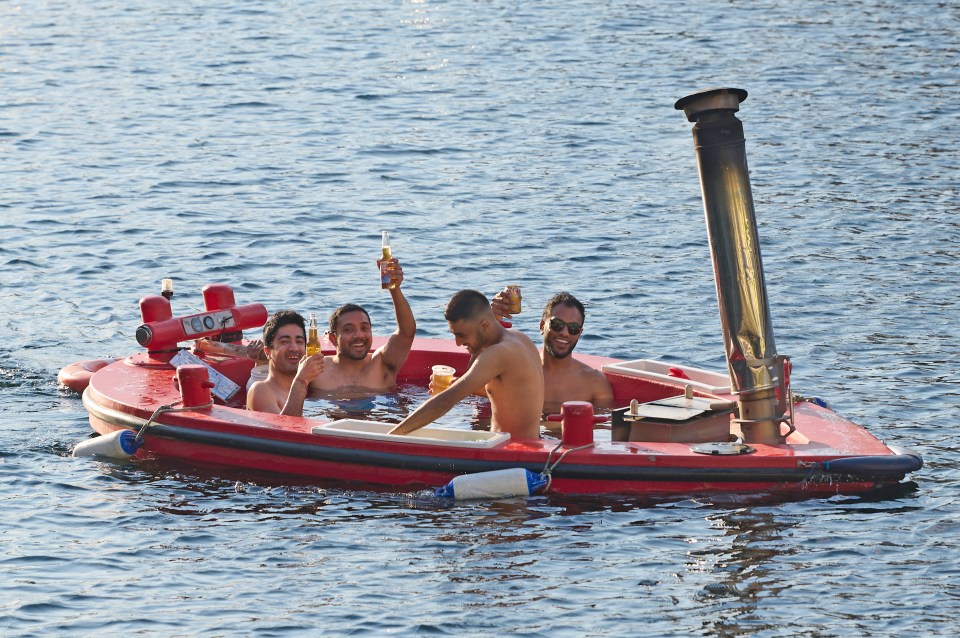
<point>195,384</point>
<point>577,421</point>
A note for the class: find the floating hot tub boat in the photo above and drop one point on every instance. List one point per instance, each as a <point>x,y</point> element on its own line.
<point>677,430</point>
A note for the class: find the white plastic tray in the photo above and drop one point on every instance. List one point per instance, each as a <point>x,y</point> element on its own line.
<point>443,437</point>
<point>703,380</point>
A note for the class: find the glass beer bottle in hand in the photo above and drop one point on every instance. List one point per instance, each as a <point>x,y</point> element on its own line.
<point>385,281</point>
<point>313,336</point>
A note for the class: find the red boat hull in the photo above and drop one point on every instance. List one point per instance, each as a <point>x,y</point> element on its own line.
<point>127,394</point>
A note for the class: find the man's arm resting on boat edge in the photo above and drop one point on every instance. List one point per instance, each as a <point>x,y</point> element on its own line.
<point>429,411</point>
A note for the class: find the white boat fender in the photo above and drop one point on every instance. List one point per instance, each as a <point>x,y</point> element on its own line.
<point>120,445</point>
<point>515,481</point>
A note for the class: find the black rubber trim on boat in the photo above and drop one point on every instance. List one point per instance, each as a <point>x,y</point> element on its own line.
<point>874,471</point>
<point>879,468</point>
<point>903,462</point>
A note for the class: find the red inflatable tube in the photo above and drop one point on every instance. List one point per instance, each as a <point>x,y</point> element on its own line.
<point>76,376</point>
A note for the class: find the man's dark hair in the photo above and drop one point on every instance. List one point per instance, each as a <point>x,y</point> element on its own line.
<point>566,299</point>
<point>466,304</point>
<point>335,315</point>
<point>278,320</point>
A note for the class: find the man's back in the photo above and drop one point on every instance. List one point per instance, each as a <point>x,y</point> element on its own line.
<point>516,393</point>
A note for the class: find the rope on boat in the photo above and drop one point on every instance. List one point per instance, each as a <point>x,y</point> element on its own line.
<point>169,407</point>
<point>547,472</point>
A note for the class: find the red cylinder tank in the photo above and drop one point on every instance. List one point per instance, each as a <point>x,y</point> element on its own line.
<point>576,421</point>
<point>218,297</point>
<point>165,334</point>
<point>194,382</point>
<point>155,308</point>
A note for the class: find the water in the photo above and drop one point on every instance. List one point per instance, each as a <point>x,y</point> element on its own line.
<point>266,145</point>
<point>391,407</point>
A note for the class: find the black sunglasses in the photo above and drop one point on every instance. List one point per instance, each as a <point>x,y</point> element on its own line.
<point>573,327</point>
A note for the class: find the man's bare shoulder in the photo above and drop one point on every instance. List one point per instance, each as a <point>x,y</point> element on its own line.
<point>517,339</point>
<point>586,369</point>
<point>263,395</point>
<point>596,381</point>
<point>510,348</point>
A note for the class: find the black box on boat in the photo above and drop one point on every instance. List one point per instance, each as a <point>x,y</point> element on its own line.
<point>673,420</point>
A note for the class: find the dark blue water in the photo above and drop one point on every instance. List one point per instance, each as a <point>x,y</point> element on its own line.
<point>265,145</point>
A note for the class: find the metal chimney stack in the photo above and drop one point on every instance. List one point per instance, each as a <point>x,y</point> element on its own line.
<point>756,371</point>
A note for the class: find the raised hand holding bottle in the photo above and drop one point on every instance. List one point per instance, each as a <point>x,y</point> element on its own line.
<point>313,336</point>
<point>386,281</point>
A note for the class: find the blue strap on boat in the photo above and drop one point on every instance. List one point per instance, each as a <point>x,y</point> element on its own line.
<point>823,403</point>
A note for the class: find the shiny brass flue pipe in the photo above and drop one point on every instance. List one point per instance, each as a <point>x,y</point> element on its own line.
<point>756,370</point>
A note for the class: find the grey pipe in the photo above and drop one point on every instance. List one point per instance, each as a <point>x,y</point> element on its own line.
<point>756,370</point>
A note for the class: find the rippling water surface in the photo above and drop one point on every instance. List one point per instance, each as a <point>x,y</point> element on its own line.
<point>264,144</point>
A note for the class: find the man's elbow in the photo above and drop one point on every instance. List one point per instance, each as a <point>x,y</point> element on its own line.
<point>603,400</point>
<point>269,409</point>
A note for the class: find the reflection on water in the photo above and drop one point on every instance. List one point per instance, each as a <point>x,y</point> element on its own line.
<point>742,569</point>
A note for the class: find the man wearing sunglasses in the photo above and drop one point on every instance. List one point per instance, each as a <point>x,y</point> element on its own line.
<point>564,378</point>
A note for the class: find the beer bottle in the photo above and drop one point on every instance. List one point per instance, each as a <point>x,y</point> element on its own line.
<point>313,337</point>
<point>385,281</point>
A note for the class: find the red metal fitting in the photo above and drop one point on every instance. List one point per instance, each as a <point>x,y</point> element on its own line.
<point>576,423</point>
<point>218,297</point>
<point>195,384</point>
<point>157,336</point>
<point>155,308</point>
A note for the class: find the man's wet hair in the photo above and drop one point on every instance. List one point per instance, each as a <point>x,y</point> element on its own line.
<point>566,299</point>
<point>280,319</point>
<point>466,304</point>
<point>336,314</point>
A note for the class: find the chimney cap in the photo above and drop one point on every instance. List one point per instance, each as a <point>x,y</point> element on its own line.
<point>710,100</point>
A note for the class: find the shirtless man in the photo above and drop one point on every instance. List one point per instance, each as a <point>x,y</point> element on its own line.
<point>291,371</point>
<point>504,365</point>
<point>565,378</point>
<point>354,367</point>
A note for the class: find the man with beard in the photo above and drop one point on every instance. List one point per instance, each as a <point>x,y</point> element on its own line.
<point>504,365</point>
<point>354,368</point>
<point>565,378</point>
<point>290,371</point>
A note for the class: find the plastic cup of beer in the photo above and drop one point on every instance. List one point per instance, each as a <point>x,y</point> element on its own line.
<point>441,378</point>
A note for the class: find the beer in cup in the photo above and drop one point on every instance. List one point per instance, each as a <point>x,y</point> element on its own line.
<point>441,378</point>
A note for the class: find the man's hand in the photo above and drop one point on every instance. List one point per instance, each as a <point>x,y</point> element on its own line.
<point>499,304</point>
<point>310,367</point>
<point>394,270</point>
